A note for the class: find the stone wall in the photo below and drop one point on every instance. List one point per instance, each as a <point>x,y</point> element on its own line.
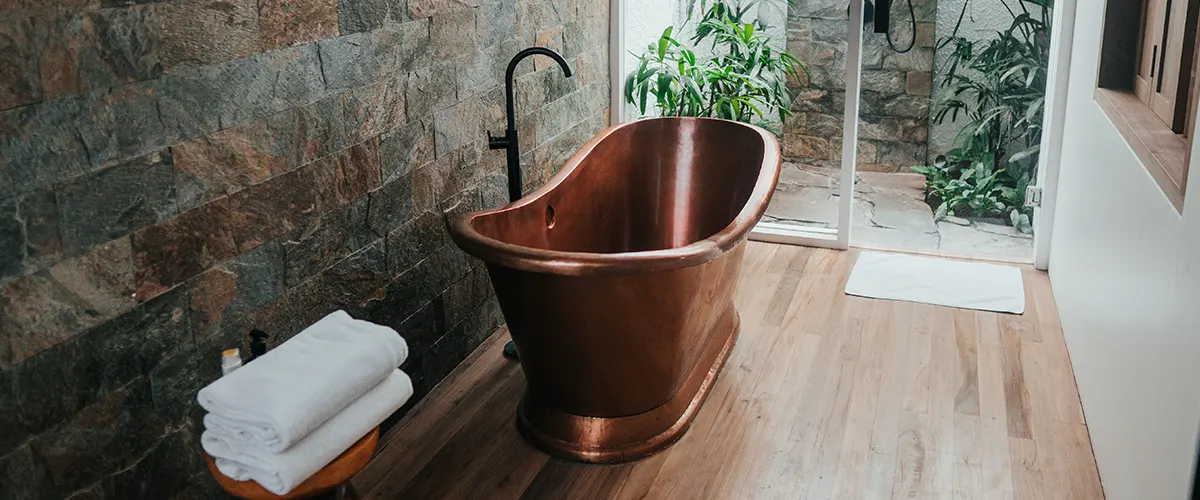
<point>895,102</point>
<point>174,174</point>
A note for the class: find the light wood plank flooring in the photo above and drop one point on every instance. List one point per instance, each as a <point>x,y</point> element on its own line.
<point>825,396</point>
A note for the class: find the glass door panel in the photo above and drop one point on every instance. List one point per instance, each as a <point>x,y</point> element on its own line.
<point>813,203</point>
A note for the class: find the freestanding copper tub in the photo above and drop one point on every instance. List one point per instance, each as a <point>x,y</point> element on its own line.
<point>617,279</point>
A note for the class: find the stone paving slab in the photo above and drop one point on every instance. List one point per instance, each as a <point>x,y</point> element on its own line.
<point>890,212</point>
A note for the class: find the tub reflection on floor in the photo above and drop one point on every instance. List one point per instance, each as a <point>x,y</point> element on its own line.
<point>616,279</point>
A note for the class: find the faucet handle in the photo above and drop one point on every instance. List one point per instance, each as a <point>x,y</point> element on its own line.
<point>497,142</point>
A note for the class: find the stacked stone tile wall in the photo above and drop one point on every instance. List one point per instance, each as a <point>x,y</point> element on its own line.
<point>895,98</point>
<point>174,174</point>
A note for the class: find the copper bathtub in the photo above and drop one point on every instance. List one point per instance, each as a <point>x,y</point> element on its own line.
<point>617,277</point>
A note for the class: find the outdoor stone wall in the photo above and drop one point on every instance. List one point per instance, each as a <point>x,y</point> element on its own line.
<point>896,88</point>
<point>174,174</point>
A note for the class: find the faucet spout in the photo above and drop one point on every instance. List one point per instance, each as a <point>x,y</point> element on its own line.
<point>509,140</point>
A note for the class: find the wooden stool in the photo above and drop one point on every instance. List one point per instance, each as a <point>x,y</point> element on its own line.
<point>333,480</point>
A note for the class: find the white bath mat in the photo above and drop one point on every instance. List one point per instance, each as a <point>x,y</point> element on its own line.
<point>943,282</point>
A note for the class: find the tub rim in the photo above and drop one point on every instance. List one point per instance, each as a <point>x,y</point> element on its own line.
<point>545,261</point>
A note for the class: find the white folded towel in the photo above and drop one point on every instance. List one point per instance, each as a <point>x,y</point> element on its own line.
<point>280,473</point>
<point>279,398</point>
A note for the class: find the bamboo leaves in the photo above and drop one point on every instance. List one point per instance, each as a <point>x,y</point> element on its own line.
<point>998,85</point>
<point>744,79</point>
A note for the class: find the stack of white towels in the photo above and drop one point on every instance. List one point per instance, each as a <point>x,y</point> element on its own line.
<point>281,418</point>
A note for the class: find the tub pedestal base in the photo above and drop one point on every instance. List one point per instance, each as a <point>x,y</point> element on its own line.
<point>623,439</point>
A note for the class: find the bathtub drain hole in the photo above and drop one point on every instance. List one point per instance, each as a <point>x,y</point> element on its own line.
<point>549,217</point>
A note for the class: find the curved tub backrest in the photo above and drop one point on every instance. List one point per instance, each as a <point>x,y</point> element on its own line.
<point>674,190</point>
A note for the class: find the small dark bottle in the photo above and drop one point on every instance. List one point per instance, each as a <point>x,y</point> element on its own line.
<point>258,344</point>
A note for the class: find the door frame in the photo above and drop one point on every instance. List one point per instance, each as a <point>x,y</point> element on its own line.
<point>838,238</point>
<point>1062,34</point>
<point>616,61</point>
<point>1061,37</point>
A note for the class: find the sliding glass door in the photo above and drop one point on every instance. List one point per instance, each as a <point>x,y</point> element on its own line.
<point>814,203</point>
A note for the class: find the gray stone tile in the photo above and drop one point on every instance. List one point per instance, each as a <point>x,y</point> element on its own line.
<point>203,100</point>
<point>496,22</point>
<point>356,16</point>
<point>327,240</point>
<point>536,15</point>
<point>465,296</point>
<point>342,286</point>
<point>241,285</point>
<point>117,201</point>
<point>406,148</point>
<point>20,476</point>
<point>372,110</point>
<point>972,240</point>
<point>123,122</point>
<point>12,241</point>
<point>420,330</point>
<point>444,354</point>
<point>99,438</point>
<point>902,153</point>
<point>885,82</point>
<point>227,161</point>
<point>19,77</point>
<point>457,126</point>
<point>166,468</point>
<point>429,8</point>
<point>290,22</point>
<point>174,384</point>
<point>451,34</point>
<point>581,35</point>
<point>560,115</point>
<point>29,234</point>
<point>431,88</point>
<point>15,433</point>
<point>405,295</point>
<point>411,243</point>
<point>904,213</point>
<point>361,59</point>
<point>890,213</point>
<point>356,276</point>
<point>392,205</point>
<point>484,69</point>
<point>483,321</point>
<point>310,132</point>
<point>44,309</point>
<point>203,32</point>
<point>895,238</point>
<point>40,144</point>
<point>353,60</point>
<point>169,253</point>
<point>106,47</point>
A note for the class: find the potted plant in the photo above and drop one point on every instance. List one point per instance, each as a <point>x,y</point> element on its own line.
<point>999,86</point>
<point>744,79</point>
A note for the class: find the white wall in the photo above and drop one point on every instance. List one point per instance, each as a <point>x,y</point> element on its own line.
<point>644,23</point>
<point>1125,267</point>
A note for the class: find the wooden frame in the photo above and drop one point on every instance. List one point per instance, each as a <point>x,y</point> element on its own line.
<point>1152,102</point>
<point>1163,153</point>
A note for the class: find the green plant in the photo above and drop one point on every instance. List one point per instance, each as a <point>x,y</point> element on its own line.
<point>999,86</point>
<point>744,79</point>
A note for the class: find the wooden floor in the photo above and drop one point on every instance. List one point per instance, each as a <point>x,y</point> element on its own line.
<point>824,396</point>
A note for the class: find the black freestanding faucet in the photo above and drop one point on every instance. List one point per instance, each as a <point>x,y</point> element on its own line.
<point>509,139</point>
